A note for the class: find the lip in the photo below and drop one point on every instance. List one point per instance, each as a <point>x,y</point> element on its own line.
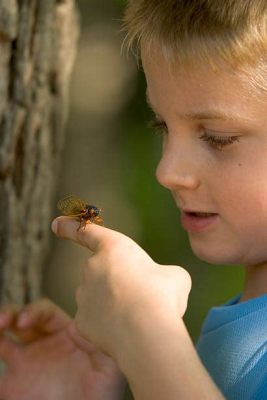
<point>193,223</point>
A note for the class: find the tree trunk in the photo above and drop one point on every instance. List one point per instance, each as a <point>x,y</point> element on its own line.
<point>37,45</point>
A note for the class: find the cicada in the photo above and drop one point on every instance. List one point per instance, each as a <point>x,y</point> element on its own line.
<point>73,206</point>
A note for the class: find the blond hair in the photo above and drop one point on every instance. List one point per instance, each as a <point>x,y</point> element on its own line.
<point>200,30</point>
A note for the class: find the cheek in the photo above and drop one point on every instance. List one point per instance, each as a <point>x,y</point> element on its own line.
<point>245,214</point>
<point>246,194</point>
<point>241,187</point>
<point>241,235</point>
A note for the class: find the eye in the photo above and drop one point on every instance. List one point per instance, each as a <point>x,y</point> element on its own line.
<point>219,142</point>
<point>158,125</point>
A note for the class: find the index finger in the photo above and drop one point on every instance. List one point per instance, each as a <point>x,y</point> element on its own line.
<point>91,236</point>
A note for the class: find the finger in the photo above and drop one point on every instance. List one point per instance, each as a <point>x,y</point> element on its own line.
<point>7,348</point>
<point>92,236</point>
<point>8,317</point>
<point>42,313</point>
<point>39,318</point>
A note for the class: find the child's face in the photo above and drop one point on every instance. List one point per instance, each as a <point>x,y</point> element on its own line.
<point>214,158</point>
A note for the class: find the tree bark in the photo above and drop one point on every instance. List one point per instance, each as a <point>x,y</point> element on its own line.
<point>37,45</point>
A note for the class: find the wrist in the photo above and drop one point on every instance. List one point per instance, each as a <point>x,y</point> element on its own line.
<point>144,332</point>
<point>159,361</point>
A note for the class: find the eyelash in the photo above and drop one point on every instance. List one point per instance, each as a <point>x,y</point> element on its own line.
<point>158,126</point>
<point>217,142</point>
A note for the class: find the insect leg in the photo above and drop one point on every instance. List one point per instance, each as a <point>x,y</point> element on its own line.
<point>80,224</point>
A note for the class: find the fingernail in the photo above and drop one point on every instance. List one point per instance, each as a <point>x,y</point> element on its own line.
<point>54,226</point>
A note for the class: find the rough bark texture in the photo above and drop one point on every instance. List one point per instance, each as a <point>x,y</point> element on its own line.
<point>37,47</point>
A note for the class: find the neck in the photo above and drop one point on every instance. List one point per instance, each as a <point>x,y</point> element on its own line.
<point>255,281</point>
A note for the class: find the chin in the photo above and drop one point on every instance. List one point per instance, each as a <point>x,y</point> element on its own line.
<point>219,256</point>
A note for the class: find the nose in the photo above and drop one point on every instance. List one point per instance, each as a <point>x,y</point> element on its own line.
<point>178,169</point>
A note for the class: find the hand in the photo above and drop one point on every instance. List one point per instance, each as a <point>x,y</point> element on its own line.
<point>122,286</point>
<point>50,361</point>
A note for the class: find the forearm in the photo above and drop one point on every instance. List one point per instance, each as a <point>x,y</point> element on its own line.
<point>161,363</point>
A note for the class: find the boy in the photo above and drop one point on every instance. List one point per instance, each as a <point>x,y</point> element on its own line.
<point>206,70</point>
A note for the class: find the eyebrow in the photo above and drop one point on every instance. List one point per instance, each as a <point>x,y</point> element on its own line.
<point>202,115</point>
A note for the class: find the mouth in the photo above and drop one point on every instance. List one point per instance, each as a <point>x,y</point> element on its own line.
<point>196,221</point>
<point>199,214</point>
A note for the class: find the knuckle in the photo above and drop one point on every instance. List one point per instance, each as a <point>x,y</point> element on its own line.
<point>187,278</point>
<point>81,234</point>
<point>118,247</point>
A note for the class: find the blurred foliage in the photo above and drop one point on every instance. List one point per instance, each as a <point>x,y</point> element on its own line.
<point>133,150</point>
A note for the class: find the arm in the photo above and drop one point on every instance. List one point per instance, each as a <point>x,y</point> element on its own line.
<point>162,363</point>
<point>131,308</point>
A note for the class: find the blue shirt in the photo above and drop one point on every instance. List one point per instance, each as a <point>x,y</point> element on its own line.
<point>233,348</point>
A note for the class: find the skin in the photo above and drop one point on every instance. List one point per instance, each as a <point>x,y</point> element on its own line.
<point>203,175</point>
<point>129,306</point>
<point>49,359</point>
<point>118,270</point>
<point>231,180</point>
<point>138,324</point>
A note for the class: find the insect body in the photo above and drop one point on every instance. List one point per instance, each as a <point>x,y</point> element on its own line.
<point>73,206</point>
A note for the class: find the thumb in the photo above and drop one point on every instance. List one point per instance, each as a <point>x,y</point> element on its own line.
<point>92,236</point>
<point>82,343</point>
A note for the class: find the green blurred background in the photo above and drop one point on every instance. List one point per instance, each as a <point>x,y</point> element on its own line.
<point>109,159</point>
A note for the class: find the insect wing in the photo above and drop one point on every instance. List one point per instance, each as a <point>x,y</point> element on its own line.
<point>71,205</point>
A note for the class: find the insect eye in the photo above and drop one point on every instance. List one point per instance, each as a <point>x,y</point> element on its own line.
<point>94,211</point>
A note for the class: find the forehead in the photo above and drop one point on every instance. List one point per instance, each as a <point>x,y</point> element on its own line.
<point>200,87</point>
